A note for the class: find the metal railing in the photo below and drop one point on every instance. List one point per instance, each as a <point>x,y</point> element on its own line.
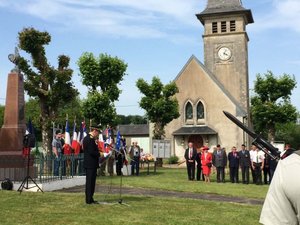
<point>48,168</point>
<point>44,168</point>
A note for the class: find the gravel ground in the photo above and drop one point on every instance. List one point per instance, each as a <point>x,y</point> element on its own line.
<point>105,189</point>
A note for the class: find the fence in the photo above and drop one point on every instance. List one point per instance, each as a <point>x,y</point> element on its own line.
<point>48,168</point>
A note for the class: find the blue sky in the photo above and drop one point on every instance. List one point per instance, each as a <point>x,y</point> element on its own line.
<point>155,38</point>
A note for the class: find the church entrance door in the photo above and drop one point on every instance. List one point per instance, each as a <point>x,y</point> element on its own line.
<point>197,140</point>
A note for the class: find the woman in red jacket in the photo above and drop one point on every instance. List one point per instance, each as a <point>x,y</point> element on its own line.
<point>206,161</point>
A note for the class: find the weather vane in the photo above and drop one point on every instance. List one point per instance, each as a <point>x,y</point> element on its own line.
<point>14,58</point>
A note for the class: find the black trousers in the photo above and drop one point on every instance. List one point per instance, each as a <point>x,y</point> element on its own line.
<point>245,174</point>
<point>257,171</point>
<point>198,171</point>
<point>253,175</point>
<point>119,165</point>
<point>234,174</point>
<point>267,175</point>
<point>90,183</point>
<point>220,174</point>
<point>135,165</point>
<point>190,166</point>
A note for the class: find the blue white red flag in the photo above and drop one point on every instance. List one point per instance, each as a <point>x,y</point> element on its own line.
<point>75,143</point>
<point>118,141</point>
<point>67,145</point>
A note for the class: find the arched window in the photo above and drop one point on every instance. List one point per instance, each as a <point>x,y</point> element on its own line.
<point>188,111</point>
<point>200,111</point>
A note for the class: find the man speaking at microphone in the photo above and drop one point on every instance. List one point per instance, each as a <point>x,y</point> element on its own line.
<point>91,163</point>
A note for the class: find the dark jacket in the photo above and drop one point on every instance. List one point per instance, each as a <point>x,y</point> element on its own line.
<point>233,161</point>
<point>194,154</point>
<point>244,158</point>
<point>198,158</point>
<point>91,153</point>
<point>219,160</point>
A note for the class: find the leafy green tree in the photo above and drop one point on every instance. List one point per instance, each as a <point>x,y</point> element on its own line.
<point>160,103</point>
<point>271,103</point>
<point>289,133</point>
<point>52,87</point>
<point>101,75</point>
<point>132,119</point>
<point>33,112</point>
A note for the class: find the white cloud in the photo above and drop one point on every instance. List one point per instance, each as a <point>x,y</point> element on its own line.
<point>133,18</point>
<point>281,15</point>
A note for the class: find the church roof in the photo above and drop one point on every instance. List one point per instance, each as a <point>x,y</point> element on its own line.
<point>224,7</point>
<point>193,130</point>
<point>239,109</point>
<point>134,130</point>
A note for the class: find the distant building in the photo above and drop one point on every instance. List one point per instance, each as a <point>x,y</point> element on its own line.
<point>220,83</point>
<point>136,133</point>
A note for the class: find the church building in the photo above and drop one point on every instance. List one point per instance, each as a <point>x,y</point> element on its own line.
<point>218,84</point>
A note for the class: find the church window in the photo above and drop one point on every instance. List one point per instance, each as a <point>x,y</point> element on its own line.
<point>223,26</point>
<point>214,27</point>
<point>189,111</point>
<point>232,25</point>
<point>200,111</point>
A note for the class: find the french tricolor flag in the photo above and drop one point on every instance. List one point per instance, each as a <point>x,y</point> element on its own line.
<point>67,146</point>
<point>75,144</point>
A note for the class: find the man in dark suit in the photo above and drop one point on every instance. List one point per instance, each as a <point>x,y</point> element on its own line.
<point>245,163</point>
<point>233,159</point>
<point>91,163</point>
<point>199,166</point>
<point>220,161</point>
<point>190,157</point>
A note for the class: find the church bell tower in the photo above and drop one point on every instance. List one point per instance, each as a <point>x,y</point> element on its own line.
<point>226,46</point>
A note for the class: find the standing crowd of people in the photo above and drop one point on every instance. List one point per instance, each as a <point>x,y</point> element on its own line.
<point>254,160</point>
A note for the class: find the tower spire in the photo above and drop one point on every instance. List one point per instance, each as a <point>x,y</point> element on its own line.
<point>218,7</point>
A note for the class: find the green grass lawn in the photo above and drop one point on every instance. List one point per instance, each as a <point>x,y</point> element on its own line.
<point>70,208</point>
<point>176,180</point>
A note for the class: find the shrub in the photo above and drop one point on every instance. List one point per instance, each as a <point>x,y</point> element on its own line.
<point>173,159</point>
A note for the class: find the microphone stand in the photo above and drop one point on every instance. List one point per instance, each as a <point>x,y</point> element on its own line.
<point>28,177</point>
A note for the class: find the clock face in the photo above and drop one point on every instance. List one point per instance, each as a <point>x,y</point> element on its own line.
<point>224,53</point>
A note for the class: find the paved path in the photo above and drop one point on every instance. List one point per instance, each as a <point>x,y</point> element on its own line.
<point>104,189</point>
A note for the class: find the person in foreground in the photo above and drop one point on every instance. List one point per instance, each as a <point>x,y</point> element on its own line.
<point>282,204</point>
<point>91,163</point>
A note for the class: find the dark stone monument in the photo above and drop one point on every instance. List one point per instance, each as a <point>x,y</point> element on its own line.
<point>12,162</point>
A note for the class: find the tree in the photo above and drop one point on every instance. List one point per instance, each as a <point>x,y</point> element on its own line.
<point>33,112</point>
<point>271,103</point>
<point>101,75</point>
<point>132,119</point>
<point>289,133</point>
<point>160,103</point>
<point>52,87</point>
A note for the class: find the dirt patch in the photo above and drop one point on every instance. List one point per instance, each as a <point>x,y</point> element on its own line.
<point>104,189</point>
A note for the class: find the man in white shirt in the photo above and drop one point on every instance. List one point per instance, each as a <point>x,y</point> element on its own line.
<point>282,204</point>
<point>257,163</point>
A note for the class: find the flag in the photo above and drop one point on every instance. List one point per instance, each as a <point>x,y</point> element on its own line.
<point>118,141</point>
<point>29,127</point>
<point>67,145</point>
<point>29,139</point>
<point>108,136</point>
<point>101,144</point>
<point>82,133</point>
<point>75,144</point>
